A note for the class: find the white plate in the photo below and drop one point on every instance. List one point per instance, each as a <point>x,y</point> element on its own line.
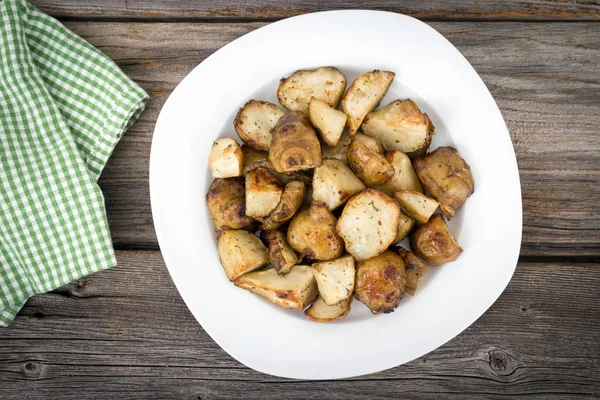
<point>428,69</point>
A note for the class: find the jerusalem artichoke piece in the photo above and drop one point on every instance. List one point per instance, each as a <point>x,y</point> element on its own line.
<point>380,282</point>
<point>416,205</point>
<point>340,151</point>
<point>368,224</point>
<point>333,183</point>
<point>400,126</point>
<point>335,279</point>
<point>291,200</point>
<point>255,121</point>
<point>263,193</point>
<point>226,159</point>
<point>405,225</point>
<point>240,252</point>
<point>328,121</point>
<point>312,233</point>
<point>447,177</point>
<point>321,312</point>
<point>370,142</point>
<point>296,290</point>
<point>281,255</point>
<point>326,84</point>
<point>227,203</point>
<point>404,178</point>
<point>434,243</point>
<point>364,96</point>
<point>415,269</point>
<point>372,168</point>
<point>259,158</point>
<point>295,145</point>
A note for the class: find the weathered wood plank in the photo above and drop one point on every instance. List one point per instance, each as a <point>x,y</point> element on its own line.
<point>544,76</point>
<point>125,333</point>
<point>269,9</point>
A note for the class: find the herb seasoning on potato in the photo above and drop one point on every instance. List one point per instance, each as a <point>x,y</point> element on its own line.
<point>296,170</point>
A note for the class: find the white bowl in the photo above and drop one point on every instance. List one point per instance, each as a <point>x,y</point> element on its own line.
<point>431,71</point>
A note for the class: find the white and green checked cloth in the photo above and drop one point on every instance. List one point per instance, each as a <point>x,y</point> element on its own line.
<point>63,107</point>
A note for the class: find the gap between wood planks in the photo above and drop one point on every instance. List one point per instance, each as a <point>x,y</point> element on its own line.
<point>230,20</point>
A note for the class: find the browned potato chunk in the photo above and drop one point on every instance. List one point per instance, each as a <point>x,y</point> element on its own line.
<point>258,158</point>
<point>325,83</point>
<point>291,200</point>
<point>241,252</point>
<point>295,145</point>
<point>227,204</point>
<point>415,269</point>
<point>434,243</point>
<point>405,225</point>
<point>312,233</point>
<point>404,177</point>
<point>335,279</point>
<point>380,282</point>
<point>400,126</point>
<point>263,193</point>
<point>447,177</point>
<point>373,169</point>
<point>296,289</point>
<point>417,205</point>
<point>226,158</point>
<point>321,312</point>
<point>281,255</point>
<point>339,152</point>
<point>333,183</point>
<point>328,121</point>
<point>364,95</point>
<point>370,142</point>
<point>368,224</point>
<point>255,121</point>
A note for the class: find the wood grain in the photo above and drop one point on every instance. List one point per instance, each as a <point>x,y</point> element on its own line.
<point>544,77</point>
<point>270,9</point>
<point>125,333</point>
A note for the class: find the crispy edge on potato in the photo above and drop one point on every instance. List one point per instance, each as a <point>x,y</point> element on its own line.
<point>263,193</point>
<point>295,290</point>
<point>328,121</point>
<point>227,203</point>
<point>321,312</point>
<point>335,279</point>
<point>325,83</point>
<point>240,252</point>
<point>401,126</point>
<point>281,255</point>
<point>364,95</point>
<point>295,145</point>
<point>339,152</point>
<point>291,200</point>
<point>312,233</point>
<point>405,225</point>
<point>415,268</point>
<point>333,183</point>
<point>372,168</point>
<point>434,243</point>
<point>447,177</point>
<point>404,178</point>
<point>255,121</point>
<point>380,282</point>
<point>368,224</point>
<point>416,205</point>
<point>226,158</point>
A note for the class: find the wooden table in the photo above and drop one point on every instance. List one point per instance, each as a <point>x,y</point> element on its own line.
<point>126,333</point>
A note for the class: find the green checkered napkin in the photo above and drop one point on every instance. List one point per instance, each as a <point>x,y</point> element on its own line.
<point>63,107</point>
